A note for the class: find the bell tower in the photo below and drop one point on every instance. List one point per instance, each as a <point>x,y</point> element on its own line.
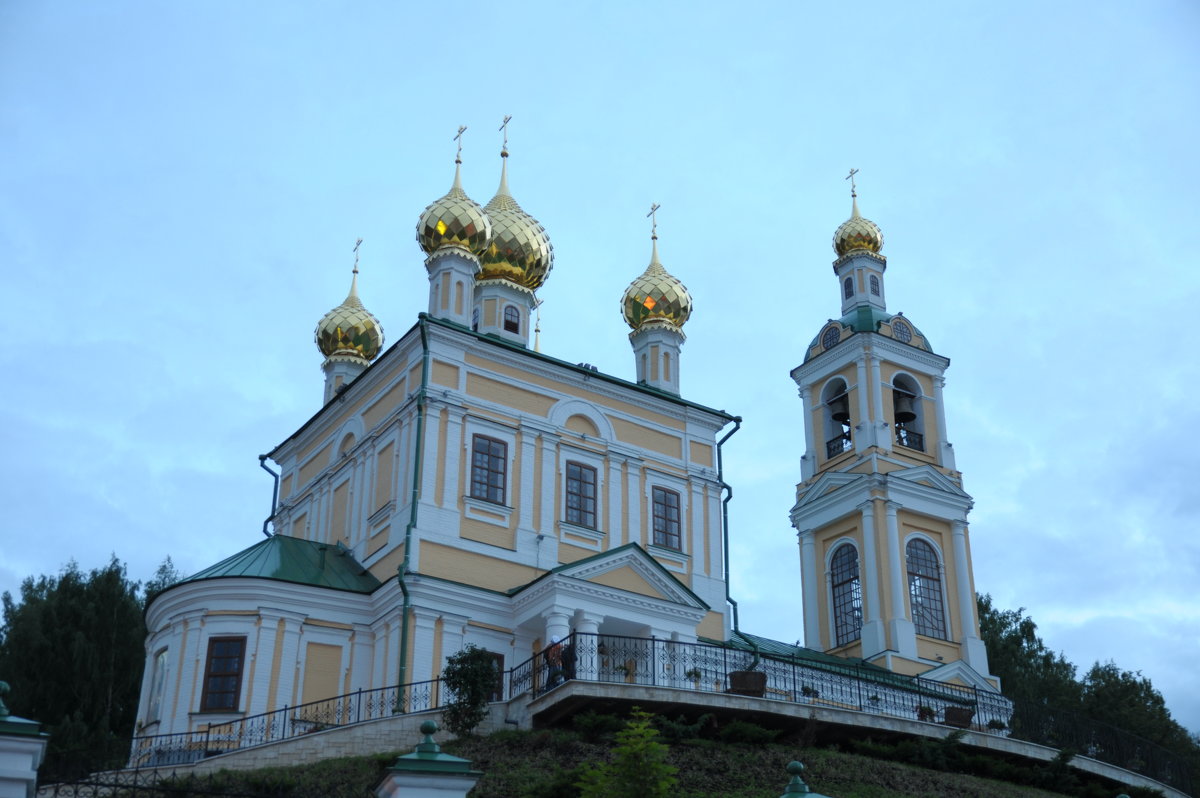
<point>880,511</point>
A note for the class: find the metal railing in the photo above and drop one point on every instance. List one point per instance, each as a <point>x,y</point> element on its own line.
<point>699,668</point>
<point>910,438</point>
<point>835,446</point>
<point>222,737</point>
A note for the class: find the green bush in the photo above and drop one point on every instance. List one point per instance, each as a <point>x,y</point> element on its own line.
<point>741,731</point>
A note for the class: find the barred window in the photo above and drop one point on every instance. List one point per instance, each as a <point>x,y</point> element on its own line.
<point>874,285</point>
<point>489,469</point>
<point>848,288</point>
<point>847,595</point>
<point>666,518</point>
<point>581,495</point>
<point>223,674</point>
<point>925,589</point>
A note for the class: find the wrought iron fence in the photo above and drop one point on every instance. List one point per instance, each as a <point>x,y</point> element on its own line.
<point>835,446</point>
<point>910,438</point>
<point>161,750</point>
<point>704,668</point>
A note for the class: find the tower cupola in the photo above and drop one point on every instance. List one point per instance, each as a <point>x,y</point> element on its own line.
<point>453,232</point>
<point>859,266</point>
<point>349,337</point>
<point>657,305</point>
<point>514,265</point>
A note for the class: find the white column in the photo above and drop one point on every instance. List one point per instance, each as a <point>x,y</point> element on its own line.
<point>423,655</point>
<point>548,444</point>
<point>903,631</point>
<point>558,626</point>
<point>808,461</point>
<point>433,415</point>
<point>809,580</point>
<point>874,640</point>
<point>454,455</point>
<point>453,634</point>
<point>633,510</point>
<point>615,510</point>
<point>587,664</point>
<point>972,647</point>
<point>883,436</point>
<point>945,449</point>
<point>864,431</point>
<point>524,503</point>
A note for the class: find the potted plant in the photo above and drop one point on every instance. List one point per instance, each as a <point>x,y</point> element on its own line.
<point>925,713</point>
<point>750,681</point>
<point>995,724</point>
<point>693,674</point>
<point>809,692</point>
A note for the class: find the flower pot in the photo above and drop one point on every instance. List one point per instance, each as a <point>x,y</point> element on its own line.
<point>752,683</point>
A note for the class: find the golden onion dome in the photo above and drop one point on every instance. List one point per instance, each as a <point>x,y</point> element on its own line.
<point>454,220</point>
<point>656,297</point>
<point>519,250</point>
<point>857,233</point>
<point>349,329</point>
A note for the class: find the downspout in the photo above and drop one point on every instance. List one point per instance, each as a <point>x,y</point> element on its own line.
<point>418,458</point>
<point>737,425</point>
<point>262,463</point>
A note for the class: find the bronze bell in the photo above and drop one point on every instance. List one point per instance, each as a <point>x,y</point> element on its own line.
<point>839,409</point>
<point>904,408</point>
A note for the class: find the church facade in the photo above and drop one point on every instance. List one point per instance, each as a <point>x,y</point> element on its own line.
<point>461,488</point>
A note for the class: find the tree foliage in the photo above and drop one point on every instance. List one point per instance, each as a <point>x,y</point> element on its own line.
<point>72,649</point>
<point>1028,670</point>
<point>470,678</point>
<point>639,767</point>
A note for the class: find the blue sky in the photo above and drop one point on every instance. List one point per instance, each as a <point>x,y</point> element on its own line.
<point>182,184</point>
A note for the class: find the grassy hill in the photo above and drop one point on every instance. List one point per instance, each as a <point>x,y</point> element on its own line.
<point>542,764</point>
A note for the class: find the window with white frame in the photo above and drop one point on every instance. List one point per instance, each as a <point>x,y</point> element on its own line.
<point>666,519</point>
<point>489,469</point>
<point>847,595</point>
<point>581,495</point>
<point>925,589</point>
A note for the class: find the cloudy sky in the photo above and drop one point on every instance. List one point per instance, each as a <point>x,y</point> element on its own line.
<point>181,185</point>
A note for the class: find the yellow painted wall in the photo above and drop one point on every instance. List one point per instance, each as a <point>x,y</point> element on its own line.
<point>341,497</point>
<point>508,395</point>
<point>384,475</point>
<point>483,532</point>
<point>318,463</point>
<point>470,568</point>
<point>385,404</point>
<point>712,626</point>
<point>625,578</point>
<point>322,667</point>
<point>444,374</point>
<point>652,439</point>
<point>701,453</point>
<point>583,425</point>
<point>385,568</point>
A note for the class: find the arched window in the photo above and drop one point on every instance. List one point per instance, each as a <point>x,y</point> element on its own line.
<point>835,402</point>
<point>907,413</point>
<point>874,285</point>
<point>848,288</point>
<point>847,595</point>
<point>512,319</point>
<point>925,589</point>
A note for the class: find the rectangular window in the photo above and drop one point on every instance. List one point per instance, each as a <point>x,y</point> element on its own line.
<point>157,683</point>
<point>581,495</point>
<point>489,469</point>
<point>223,674</point>
<point>666,518</point>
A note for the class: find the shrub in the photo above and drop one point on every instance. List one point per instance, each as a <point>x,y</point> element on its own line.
<point>470,678</point>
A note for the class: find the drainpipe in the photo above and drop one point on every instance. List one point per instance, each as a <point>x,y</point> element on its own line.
<point>737,425</point>
<point>418,458</point>
<point>262,462</point>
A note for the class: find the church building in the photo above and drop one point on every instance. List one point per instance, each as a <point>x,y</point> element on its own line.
<point>459,487</point>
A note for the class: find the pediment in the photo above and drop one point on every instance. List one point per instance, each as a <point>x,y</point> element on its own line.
<point>631,568</point>
<point>962,672</point>
<point>930,477</point>
<point>827,483</point>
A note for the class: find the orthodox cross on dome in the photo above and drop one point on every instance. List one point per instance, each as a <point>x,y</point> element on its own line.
<point>850,177</point>
<point>504,130</point>
<point>357,244</point>
<point>457,137</point>
<point>654,206</point>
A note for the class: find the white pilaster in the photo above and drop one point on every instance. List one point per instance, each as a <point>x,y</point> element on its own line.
<point>808,462</point>
<point>874,638</point>
<point>809,582</point>
<point>945,449</point>
<point>864,431</point>
<point>903,631</point>
<point>883,435</point>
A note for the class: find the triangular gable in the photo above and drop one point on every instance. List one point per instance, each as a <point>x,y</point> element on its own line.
<point>930,477</point>
<point>827,483</point>
<point>629,568</point>
<point>960,670</point>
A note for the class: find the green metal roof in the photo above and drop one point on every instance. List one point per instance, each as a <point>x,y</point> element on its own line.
<point>302,562</point>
